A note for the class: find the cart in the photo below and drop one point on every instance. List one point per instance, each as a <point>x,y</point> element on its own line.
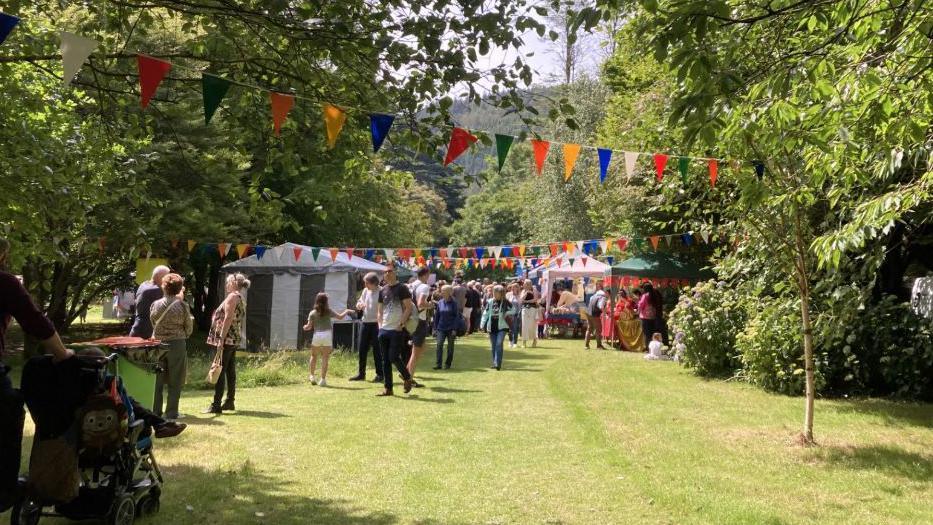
<point>139,364</point>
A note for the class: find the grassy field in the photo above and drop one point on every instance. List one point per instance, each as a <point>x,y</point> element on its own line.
<point>560,435</point>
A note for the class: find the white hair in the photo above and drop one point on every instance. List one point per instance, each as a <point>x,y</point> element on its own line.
<point>160,270</point>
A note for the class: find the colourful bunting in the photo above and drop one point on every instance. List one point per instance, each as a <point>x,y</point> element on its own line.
<point>571,152</point>
<point>521,250</point>
<point>174,244</point>
<point>622,243</point>
<point>660,161</point>
<point>654,241</point>
<point>631,157</point>
<point>260,251</point>
<point>191,245</point>
<point>213,90</point>
<point>379,126</point>
<point>222,249</point>
<point>75,50</point>
<point>503,143</point>
<point>333,254</point>
<point>334,119</point>
<point>605,157</point>
<point>7,23</point>
<point>610,259</point>
<point>370,254</point>
<point>349,252</point>
<point>541,148</point>
<point>460,140</point>
<point>151,73</point>
<point>241,250</point>
<point>682,164</point>
<point>297,251</point>
<point>480,251</point>
<point>281,105</point>
<point>101,241</point>
<point>713,172</point>
<point>687,239</point>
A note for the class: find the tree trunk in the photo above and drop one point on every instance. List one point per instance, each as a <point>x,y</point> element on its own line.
<point>803,286</point>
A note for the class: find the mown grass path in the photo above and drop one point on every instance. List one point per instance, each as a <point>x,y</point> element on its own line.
<point>560,435</point>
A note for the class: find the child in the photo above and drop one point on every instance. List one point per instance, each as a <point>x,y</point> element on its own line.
<point>656,348</point>
<point>322,341</point>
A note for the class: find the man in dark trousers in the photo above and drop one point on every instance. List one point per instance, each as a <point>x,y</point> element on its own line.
<point>15,303</point>
<point>369,336</point>
<point>395,307</point>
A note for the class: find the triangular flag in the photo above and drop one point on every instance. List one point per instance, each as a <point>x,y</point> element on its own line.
<point>705,236</point>
<point>571,152</point>
<point>605,157</point>
<point>604,245</point>
<point>553,247</point>
<point>7,23</point>
<point>101,241</point>
<point>571,259</point>
<point>503,143</point>
<point>223,248</point>
<point>379,126</point>
<point>713,172</point>
<point>660,161</point>
<point>654,241</point>
<point>370,254</point>
<point>687,239</point>
<point>631,157</point>
<point>521,250</point>
<point>349,253</point>
<point>583,260</point>
<point>479,251</point>
<point>297,250</point>
<point>213,90</point>
<point>759,169</point>
<point>496,251</point>
<point>333,253</point>
<point>507,251</point>
<point>315,253</point>
<point>610,259</point>
<point>460,140</point>
<point>622,243</point>
<point>281,105</point>
<point>175,244</point>
<point>667,240</point>
<point>75,50</point>
<point>334,119</point>
<point>241,250</point>
<point>682,164</point>
<point>639,243</point>
<point>191,245</point>
<point>581,246</point>
<point>541,148</point>
<point>464,252</point>
<point>151,73</point>
<point>260,251</point>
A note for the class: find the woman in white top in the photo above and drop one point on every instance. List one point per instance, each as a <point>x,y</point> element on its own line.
<point>528,300</point>
<point>321,321</point>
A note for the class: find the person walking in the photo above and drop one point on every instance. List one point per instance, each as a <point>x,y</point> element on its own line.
<point>497,317</point>
<point>147,293</point>
<point>474,305</point>
<point>594,313</point>
<point>647,313</point>
<point>15,303</point>
<point>369,335</point>
<point>225,335</point>
<point>393,310</point>
<point>460,295</point>
<point>513,296</point>
<point>529,305</point>
<point>321,321</point>
<point>421,296</point>
<point>172,325</point>
<point>446,318</point>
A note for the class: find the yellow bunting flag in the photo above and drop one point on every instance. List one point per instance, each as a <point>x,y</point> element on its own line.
<point>334,118</point>
<point>571,152</point>
<point>241,250</point>
<point>191,244</point>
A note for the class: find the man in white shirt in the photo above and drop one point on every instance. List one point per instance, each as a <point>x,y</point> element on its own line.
<point>369,336</point>
<point>421,295</point>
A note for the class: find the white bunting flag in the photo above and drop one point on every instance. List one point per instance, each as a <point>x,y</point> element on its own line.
<point>496,251</point>
<point>705,236</point>
<point>75,50</point>
<point>631,157</point>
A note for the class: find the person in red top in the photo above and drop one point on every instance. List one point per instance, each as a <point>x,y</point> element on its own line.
<point>15,303</point>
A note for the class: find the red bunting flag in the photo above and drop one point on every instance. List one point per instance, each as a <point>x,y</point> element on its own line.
<point>281,105</point>
<point>583,260</point>
<point>446,262</point>
<point>296,251</point>
<point>660,161</point>
<point>553,248</point>
<point>622,242</point>
<point>541,148</point>
<point>349,253</point>
<point>460,140</point>
<point>442,253</point>
<point>713,172</point>
<point>151,73</point>
<point>654,241</point>
<point>464,253</point>
<point>101,244</point>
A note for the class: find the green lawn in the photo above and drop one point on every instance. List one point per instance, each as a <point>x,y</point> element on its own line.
<point>560,435</point>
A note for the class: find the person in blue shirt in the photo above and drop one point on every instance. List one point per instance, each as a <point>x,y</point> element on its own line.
<point>447,314</point>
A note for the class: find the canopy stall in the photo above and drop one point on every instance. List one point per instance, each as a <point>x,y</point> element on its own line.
<point>565,266</point>
<point>660,269</point>
<point>284,283</point>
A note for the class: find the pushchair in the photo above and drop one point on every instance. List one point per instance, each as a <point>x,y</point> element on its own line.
<point>91,458</point>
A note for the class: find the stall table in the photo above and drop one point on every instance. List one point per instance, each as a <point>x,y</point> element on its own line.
<point>138,366</point>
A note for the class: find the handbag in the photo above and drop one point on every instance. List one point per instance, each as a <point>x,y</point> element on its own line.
<point>461,326</point>
<point>213,374</point>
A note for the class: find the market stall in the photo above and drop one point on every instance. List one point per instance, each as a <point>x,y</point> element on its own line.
<point>565,313</point>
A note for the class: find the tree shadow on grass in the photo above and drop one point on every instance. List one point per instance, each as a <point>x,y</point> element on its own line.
<point>893,413</point>
<point>885,458</point>
<point>248,496</point>
<point>259,414</point>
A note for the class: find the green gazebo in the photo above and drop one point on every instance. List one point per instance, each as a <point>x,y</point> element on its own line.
<point>659,265</point>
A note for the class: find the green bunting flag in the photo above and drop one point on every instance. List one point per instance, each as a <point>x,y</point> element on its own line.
<point>213,89</point>
<point>682,164</point>
<point>314,253</point>
<point>503,143</point>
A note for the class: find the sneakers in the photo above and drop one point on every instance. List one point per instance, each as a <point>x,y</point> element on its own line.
<point>169,429</point>
<point>357,378</point>
<point>228,406</point>
<point>322,382</point>
<point>385,393</point>
<point>438,367</point>
<point>311,378</point>
<point>408,385</point>
<point>213,409</point>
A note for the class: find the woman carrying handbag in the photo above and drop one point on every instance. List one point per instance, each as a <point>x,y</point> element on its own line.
<point>172,325</point>
<point>226,327</point>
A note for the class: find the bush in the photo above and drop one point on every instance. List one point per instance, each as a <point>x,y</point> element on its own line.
<point>772,349</point>
<point>709,319</point>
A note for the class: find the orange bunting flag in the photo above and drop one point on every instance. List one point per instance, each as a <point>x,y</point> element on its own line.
<point>281,105</point>
<point>175,244</point>
<point>713,172</point>
<point>191,245</point>
<point>654,241</point>
<point>521,250</point>
<point>241,250</point>
<point>560,261</point>
<point>571,152</point>
<point>334,119</point>
<point>553,248</point>
<point>222,249</point>
<point>568,247</point>
<point>446,262</point>
<point>660,161</point>
<point>541,148</point>
<point>333,254</point>
<point>296,251</point>
<point>460,140</point>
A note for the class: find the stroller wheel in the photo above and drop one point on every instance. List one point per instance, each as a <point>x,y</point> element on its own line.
<point>123,511</point>
<point>25,512</point>
<point>147,506</point>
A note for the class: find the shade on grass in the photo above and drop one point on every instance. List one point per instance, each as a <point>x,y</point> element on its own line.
<point>560,435</point>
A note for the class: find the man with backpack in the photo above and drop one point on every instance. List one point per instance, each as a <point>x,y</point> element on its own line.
<point>594,310</point>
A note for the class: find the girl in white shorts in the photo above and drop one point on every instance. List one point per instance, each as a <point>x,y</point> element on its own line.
<point>321,321</point>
